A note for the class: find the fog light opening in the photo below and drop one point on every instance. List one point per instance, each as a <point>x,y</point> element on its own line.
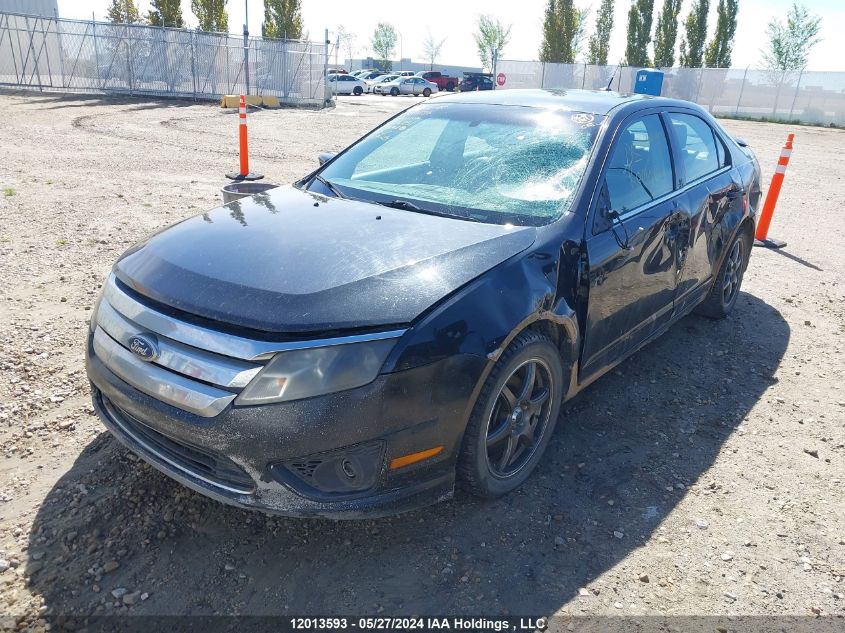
<point>348,469</point>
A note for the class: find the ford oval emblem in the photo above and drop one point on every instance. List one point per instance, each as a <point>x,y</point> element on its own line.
<point>144,346</point>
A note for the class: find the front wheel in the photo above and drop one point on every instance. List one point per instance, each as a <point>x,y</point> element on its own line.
<point>426,92</point>
<point>725,290</point>
<point>394,92</point>
<point>358,91</point>
<point>513,418</point>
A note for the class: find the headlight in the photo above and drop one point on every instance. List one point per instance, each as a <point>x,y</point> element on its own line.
<point>317,371</point>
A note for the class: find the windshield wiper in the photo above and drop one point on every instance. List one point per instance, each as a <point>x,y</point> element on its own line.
<point>410,206</point>
<point>330,186</point>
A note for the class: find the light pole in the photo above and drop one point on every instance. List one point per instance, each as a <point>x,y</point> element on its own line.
<point>401,46</point>
<point>246,44</point>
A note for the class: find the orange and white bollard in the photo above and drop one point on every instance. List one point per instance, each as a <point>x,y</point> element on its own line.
<point>760,236</point>
<point>244,173</point>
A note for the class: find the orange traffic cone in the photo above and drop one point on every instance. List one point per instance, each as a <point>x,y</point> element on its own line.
<point>760,237</point>
<point>244,173</point>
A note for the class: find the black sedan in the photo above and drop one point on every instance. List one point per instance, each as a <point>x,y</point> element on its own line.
<point>411,315</point>
<point>476,81</point>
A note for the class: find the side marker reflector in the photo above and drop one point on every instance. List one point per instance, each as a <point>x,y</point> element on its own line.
<point>413,458</point>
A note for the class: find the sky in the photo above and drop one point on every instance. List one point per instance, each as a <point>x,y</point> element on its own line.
<point>455,21</point>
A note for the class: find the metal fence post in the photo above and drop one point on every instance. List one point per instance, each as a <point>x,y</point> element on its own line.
<point>128,55</point>
<point>741,89</point>
<point>542,74</point>
<point>326,97</point>
<point>795,96</point>
<point>192,35</point>
<point>96,49</point>
<point>285,69</point>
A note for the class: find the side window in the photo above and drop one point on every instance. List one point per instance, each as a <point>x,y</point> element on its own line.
<point>697,145</point>
<point>639,169</point>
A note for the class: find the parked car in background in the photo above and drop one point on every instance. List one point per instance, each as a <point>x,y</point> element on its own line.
<point>362,71</point>
<point>336,71</point>
<point>371,75</point>
<point>411,314</point>
<point>404,73</point>
<point>476,81</point>
<point>372,83</point>
<point>415,86</point>
<point>443,82</point>
<point>346,85</point>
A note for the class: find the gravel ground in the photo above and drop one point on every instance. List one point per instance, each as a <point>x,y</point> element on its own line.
<point>703,476</point>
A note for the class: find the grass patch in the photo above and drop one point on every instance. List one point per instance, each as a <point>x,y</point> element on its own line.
<point>9,192</point>
<point>61,242</point>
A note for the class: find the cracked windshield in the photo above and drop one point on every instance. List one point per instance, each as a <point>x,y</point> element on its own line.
<point>489,163</point>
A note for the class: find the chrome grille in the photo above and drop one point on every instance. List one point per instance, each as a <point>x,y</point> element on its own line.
<point>190,376</point>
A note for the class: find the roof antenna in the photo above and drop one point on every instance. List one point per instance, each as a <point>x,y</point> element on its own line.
<point>613,76</point>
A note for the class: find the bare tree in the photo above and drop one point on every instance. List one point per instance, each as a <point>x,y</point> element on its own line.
<point>432,48</point>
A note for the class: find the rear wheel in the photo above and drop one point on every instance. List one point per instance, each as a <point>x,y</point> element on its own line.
<point>358,91</point>
<point>725,290</point>
<point>513,418</point>
<point>426,92</point>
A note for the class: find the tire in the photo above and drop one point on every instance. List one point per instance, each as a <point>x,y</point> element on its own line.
<point>483,469</point>
<point>725,289</point>
<point>358,91</point>
<point>426,92</point>
<point>394,92</point>
<point>450,86</point>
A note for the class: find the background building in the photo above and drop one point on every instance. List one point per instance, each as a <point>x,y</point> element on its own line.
<point>45,8</point>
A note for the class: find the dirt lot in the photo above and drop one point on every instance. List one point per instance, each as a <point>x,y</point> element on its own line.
<point>703,476</point>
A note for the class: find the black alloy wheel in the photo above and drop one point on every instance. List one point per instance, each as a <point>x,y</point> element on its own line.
<point>519,418</point>
<point>726,285</point>
<point>513,417</point>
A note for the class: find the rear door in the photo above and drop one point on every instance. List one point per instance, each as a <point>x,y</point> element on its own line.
<point>632,259</point>
<point>710,190</point>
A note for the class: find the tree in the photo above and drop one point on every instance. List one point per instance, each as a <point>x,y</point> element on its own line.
<point>166,13</point>
<point>211,14</point>
<point>563,31</point>
<point>639,32</point>
<point>491,39</point>
<point>695,32</point>
<point>383,42</point>
<point>282,19</point>
<point>666,33</point>
<point>432,49</point>
<point>718,53</point>
<point>345,42</point>
<point>790,43</point>
<point>124,12</point>
<point>599,44</point>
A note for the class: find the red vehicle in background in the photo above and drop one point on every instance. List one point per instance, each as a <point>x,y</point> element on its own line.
<point>444,82</point>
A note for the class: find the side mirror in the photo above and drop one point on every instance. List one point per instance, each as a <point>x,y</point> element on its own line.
<point>325,157</point>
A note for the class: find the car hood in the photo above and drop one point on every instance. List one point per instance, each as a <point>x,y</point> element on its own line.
<point>293,262</point>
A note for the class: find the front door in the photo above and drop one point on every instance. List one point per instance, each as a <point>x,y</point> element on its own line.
<point>632,247</point>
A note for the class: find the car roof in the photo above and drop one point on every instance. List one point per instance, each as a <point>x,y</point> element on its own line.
<point>593,101</point>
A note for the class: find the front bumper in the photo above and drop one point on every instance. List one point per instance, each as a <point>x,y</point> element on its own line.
<point>234,457</point>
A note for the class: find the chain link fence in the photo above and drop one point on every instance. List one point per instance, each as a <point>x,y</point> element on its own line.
<point>52,54</point>
<point>808,97</point>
